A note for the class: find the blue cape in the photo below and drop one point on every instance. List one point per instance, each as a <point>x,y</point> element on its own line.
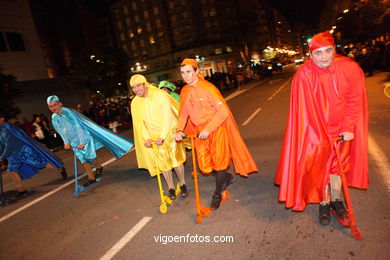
<point>117,144</point>
<point>20,139</point>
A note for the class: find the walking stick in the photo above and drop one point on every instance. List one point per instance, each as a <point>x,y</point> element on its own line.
<point>164,199</point>
<point>356,233</point>
<point>201,211</point>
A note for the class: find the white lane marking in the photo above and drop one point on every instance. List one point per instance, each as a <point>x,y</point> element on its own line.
<point>239,92</point>
<point>125,239</point>
<point>277,91</point>
<point>252,116</point>
<point>49,194</point>
<point>381,161</point>
<point>274,81</point>
<point>259,109</point>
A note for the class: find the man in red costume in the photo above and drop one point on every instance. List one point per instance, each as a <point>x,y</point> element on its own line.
<point>204,112</point>
<point>328,100</point>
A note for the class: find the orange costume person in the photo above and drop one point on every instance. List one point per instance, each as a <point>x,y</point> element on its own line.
<point>205,113</point>
<point>328,99</point>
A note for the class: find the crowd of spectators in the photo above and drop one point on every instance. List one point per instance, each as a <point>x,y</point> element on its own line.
<point>370,57</point>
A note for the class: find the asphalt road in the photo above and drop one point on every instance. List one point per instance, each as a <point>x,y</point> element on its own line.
<point>120,217</point>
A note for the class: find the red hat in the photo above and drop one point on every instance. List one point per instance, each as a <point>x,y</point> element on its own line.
<point>321,40</point>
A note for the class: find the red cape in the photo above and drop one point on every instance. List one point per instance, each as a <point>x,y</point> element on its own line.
<point>303,170</point>
<point>242,159</point>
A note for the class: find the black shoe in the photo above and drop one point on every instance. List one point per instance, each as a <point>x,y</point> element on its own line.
<point>184,191</point>
<point>216,201</point>
<point>229,180</point>
<point>88,183</point>
<point>172,194</point>
<point>64,174</point>
<point>21,194</point>
<point>98,172</point>
<point>338,207</point>
<point>324,214</point>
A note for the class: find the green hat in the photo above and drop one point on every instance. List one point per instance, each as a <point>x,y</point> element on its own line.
<point>167,84</point>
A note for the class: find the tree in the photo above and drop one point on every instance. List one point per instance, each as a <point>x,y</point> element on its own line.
<point>105,73</point>
<point>367,20</point>
<point>7,95</point>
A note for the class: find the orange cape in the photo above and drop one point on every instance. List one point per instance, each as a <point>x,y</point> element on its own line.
<point>242,159</point>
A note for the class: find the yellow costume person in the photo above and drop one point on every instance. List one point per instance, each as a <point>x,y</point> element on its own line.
<point>154,115</point>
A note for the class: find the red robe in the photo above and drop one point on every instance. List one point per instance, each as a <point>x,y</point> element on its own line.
<point>242,159</point>
<point>324,103</point>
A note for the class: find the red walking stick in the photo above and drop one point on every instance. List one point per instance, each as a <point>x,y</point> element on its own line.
<point>356,233</point>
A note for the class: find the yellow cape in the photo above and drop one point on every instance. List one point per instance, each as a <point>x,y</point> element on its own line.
<point>153,117</point>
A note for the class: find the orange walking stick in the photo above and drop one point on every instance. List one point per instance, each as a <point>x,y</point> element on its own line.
<point>356,233</point>
<point>201,211</point>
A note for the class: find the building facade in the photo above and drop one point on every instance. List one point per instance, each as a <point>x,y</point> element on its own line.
<point>158,34</point>
<point>20,50</point>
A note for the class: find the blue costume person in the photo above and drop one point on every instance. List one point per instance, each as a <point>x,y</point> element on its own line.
<point>86,137</point>
<point>25,156</point>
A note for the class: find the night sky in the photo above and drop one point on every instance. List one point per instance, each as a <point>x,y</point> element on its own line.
<point>303,14</point>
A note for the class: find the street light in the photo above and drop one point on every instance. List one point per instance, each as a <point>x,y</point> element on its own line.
<point>138,67</point>
<point>346,11</point>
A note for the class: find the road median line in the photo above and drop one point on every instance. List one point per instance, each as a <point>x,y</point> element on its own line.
<point>125,239</point>
<point>50,193</point>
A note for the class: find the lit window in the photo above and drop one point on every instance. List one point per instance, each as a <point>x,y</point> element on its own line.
<point>151,39</point>
<point>131,34</point>
<point>148,27</point>
<point>136,18</point>
<point>213,12</point>
<point>134,5</point>
<point>160,34</point>
<point>186,15</point>
<point>128,21</point>
<point>218,51</point>
<point>122,36</point>
<point>155,10</point>
<point>229,49</point>
<point>146,14</point>
<point>173,18</point>
<point>171,4</point>
<point>142,43</point>
<point>125,48</point>
<point>120,25</point>
<point>133,46</point>
<point>125,10</point>
<point>139,30</point>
